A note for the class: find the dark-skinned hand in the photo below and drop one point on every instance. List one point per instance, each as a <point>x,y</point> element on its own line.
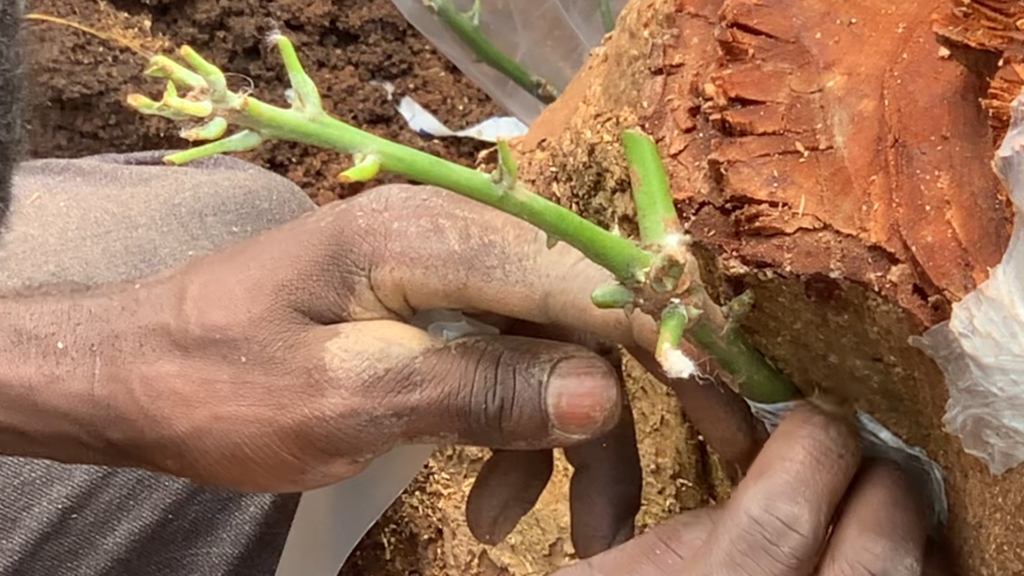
<point>809,506</point>
<point>286,362</point>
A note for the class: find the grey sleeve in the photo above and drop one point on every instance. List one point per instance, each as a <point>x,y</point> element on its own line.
<point>119,217</point>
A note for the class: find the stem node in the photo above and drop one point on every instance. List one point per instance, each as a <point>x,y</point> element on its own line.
<point>613,295</point>
<point>365,168</point>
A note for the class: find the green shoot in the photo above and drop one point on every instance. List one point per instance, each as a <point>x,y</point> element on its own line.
<point>658,276</point>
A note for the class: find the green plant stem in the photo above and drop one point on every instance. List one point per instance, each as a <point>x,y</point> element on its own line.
<point>753,376</point>
<point>607,18</point>
<point>632,265</point>
<point>618,255</point>
<point>610,296</point>
<point>670,329</point>
<point>655,213</point>
<point>469,32</point>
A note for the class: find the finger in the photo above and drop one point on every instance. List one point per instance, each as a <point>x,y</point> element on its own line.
<point>605,488</point>
<point>395,383</point>
<point>937,560</point>
<point>721,415</point>
<point>883,527</point>
<point>605,348</point>
<point>607,480</point>
<point>661,551</point>
<point>776,521</point>
<point>507,487</point>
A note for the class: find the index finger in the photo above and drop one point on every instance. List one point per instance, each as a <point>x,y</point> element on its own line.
<point>777,519</point>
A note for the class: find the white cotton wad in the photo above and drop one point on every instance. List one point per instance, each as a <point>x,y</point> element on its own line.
<point>981,348</point>
<point>677,365</point>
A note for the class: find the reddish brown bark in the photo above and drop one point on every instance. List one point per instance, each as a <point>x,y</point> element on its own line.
<point>833,156</point>
<point>988,34</point>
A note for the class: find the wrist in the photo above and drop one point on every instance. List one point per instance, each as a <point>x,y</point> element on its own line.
<point>71,366</point>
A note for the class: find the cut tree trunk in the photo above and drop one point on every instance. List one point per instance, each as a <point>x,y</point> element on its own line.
<point>834,156</point>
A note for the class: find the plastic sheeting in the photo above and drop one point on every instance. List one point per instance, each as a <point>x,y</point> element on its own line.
<point>879,442</point>
<point>981,348</point>
<point>550,38</point>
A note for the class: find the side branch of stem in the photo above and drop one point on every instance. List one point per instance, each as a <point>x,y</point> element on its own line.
<point>469,32</point>
<point>655,213</point>
<point>682,304</point>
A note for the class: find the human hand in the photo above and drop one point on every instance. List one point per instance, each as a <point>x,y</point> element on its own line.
<point>809,506</point>
<point>285,362</point>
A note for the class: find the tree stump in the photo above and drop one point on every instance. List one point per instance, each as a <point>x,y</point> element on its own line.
<point>835,158</point>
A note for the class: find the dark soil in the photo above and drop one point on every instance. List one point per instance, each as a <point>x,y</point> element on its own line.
<point>79,82</point>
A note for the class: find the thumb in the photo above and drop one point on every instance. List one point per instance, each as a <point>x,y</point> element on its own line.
<point>496,391</point>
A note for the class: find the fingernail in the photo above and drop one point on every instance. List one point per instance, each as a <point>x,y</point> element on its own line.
<point>583,396</point>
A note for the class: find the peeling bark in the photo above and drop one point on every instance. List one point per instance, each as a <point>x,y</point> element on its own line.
<point>835,157</point>
<point>988,36</point>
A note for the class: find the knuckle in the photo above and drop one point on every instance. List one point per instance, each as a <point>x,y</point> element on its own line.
<point>494,384</point>
<point>495,396</point>
<point>779,535</point>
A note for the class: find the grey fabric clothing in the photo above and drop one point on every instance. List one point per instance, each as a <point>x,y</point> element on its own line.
<point>109,218</point>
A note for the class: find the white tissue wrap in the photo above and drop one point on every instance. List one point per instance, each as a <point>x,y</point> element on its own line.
<point>981,348</point>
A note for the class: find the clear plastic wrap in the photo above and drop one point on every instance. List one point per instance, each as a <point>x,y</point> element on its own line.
<point>878,442</point>
<point>981,348</point>
<point>550,38</point>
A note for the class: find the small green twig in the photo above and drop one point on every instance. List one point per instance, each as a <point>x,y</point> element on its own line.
<point>467,28</point>
<point>612,296</point>
<point>364,168</point>
<point>308,123</point>
<point>607,18</point>
<point>670,335</point>
<point>508,168</point>
<point>655,213</point>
